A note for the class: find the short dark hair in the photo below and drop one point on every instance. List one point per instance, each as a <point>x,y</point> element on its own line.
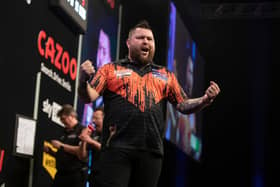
<point>101,108</point>
<point>142,24</point>
<point>67,110</point>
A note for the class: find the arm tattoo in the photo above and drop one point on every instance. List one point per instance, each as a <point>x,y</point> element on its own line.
<point>191,105</point>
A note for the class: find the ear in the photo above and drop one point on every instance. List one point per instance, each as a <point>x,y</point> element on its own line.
<point>128,43</point>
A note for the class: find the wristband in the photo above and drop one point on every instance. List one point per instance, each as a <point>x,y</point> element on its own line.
<point>90,78</point>
<point>91,127</point>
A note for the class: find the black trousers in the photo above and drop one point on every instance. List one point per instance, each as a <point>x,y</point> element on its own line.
<point>73,179</point>
<point>127,168</point>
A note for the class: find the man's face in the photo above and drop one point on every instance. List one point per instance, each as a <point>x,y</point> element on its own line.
<point>141,45</point>
<point>97,119</point>
<point>68,121</point>
<point>103,51</point>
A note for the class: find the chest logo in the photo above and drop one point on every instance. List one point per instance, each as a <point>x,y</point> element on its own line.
<point>123,73</point>
<point>159,75</point>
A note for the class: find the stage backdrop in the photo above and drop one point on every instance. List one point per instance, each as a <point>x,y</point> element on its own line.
<point>44,42</point>
<point>99,45</point>
<point>184,59</point>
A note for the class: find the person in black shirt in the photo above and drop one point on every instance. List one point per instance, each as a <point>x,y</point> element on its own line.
<point>134,90</point>
<point>71,171</point>
<point>91,143</point>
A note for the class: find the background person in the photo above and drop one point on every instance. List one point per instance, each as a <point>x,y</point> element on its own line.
<point>71,171</point>
<point>91,142</point>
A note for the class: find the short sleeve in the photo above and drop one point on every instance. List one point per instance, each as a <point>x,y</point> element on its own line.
<point>175,93</point>
<point>100,79</point>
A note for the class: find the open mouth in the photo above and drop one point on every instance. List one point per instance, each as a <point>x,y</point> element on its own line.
<point>145,50</point>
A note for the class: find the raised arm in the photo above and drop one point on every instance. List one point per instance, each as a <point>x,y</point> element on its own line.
<point>196,104</point>
<point>83,153</point>
<point>86,92</point>
<point>86,139</point>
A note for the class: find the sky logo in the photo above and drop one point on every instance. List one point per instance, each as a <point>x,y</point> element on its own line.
<point>52,109</point>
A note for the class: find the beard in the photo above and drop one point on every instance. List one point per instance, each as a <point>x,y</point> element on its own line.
<point>136,55</point>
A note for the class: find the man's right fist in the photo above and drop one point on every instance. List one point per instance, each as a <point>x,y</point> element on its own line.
<point>86,71</point>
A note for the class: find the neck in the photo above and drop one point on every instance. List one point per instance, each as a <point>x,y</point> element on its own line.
<point>138,62</point>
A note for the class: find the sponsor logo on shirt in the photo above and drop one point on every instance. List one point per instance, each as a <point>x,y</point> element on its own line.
<point>159,75</point>
<point>123,73</point>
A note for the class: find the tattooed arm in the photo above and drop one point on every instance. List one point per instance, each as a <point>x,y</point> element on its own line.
<point>194,105</point>
<point>86,92</point>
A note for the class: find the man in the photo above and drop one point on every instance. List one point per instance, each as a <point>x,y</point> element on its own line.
<point>91,138</point>
<point>71,171</point>
<point>134,92</point>
<point>92,134</point>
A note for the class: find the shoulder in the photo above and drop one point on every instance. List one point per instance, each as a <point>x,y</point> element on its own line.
<point>161,69</point>
<point>79,127</point>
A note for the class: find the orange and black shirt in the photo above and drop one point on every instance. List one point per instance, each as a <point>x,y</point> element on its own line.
<point>134,101</point>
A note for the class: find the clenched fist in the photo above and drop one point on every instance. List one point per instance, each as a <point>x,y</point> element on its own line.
<point>86,71</point>
<point>211,92</point>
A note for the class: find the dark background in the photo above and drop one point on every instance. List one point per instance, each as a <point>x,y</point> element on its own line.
<point>20,63</point>
<point>240,50</point>
<point>238,41</point>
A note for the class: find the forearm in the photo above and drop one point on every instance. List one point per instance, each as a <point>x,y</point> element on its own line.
<point>86,92</point>
<point>70,149</point>
<point>82,154</point>
<point>83,91</point>
<point>193,105</point>
<point>95,144</point>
